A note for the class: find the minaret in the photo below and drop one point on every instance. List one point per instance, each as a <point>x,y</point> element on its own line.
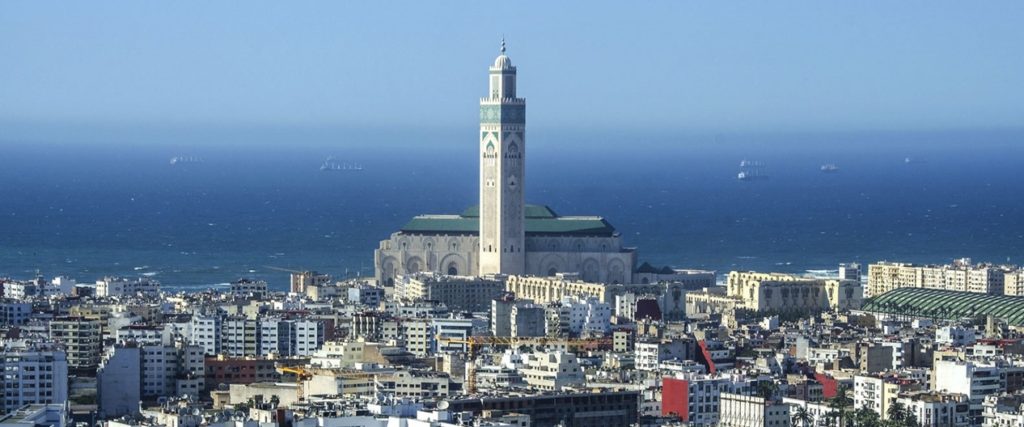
<point>502,166</point>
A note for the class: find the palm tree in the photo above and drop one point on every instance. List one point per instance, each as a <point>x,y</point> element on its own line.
<point>838,405</point>
<point>910,420</point>
<point>767,389</point>
<point>802,417</point>
<point>864,417</point>
<point>897,412</point>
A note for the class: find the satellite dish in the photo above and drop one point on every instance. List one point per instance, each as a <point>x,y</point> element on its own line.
<point>442,405</point>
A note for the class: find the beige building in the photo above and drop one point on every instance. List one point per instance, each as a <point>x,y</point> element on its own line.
<point>1013,283</point>
<point>737,410</point>
<point>552,371</point>
<point>544,290</point>
<point>302,280</point>
<point>82,339</point>
<point>787,292</point>
<point>710,301</point>
<point>961,276</point>
<point>456,292</point>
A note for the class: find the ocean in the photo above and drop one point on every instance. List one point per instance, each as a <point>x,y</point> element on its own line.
<point>110,203</point>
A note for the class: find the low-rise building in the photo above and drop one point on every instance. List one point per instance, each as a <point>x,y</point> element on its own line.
<point>737,410</point>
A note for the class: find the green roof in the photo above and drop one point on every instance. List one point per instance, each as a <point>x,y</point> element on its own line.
<point>540,220</point>
<point>529,211</point>
<point>942,304</point>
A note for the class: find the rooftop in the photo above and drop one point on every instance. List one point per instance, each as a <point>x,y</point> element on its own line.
<point>943,304</point>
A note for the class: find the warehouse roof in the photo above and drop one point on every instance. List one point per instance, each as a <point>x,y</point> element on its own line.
<point>943,304</point>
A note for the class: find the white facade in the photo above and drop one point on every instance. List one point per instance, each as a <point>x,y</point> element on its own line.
<point>648,356</point>
<point>118,286</point>
<point>206,333</point>
<point>958,336</point>
<point>975,380</point>
<point>937,409</point>
<point>308,337</point>
<point>874,393</point>
<point>736,410</point>
<point>32,375</point>
<point>552,371</point>
<point>1003,411</point>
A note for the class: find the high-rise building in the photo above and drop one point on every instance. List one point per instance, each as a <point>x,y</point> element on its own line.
<point>82,339</point>
<point>302,280</point>
<point>33,374</point>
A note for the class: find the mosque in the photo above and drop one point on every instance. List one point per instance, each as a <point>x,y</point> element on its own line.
<point>503,235</point>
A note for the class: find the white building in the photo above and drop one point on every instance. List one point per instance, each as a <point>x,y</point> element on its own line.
<point>119,286</point>
<point>130,373</point>
<point>649,355</point>
<point>736,410</point>
<point>957,336</point>
<point>249,287</point>
<point>205,332</point>
<point>552,371</point>
<point>33,374</point>
<point>976,380</point>
<point>1003,411</point>
<point>937,409</point>
<point>818,412</point>
<point>874,393</point>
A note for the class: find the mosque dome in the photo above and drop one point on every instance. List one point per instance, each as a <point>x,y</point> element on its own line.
<point>503,62</point>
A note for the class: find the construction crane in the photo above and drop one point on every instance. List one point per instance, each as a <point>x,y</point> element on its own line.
<point>286,270</point>
<point>471,342</point>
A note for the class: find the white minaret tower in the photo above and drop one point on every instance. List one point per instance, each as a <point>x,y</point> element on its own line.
<point>502,166</point>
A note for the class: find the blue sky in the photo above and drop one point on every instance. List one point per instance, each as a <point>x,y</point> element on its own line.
<point>705,66</point>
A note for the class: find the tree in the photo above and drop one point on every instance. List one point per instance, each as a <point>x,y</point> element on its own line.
<point>838,406</point>
<point>864,417</point>
<point>910,420</point>
<point>897,413</point>
<point>802,417</point>
<point>767,389</point>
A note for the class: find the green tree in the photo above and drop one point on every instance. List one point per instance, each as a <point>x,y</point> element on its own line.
<point>801,417</point>
<point>897,413</point>
<point>864,417</point>
<point>838,414</point>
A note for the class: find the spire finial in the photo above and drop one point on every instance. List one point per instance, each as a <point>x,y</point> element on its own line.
<point>502,45</point>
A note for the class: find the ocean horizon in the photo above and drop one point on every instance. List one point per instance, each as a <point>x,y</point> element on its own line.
<point>110,203</point>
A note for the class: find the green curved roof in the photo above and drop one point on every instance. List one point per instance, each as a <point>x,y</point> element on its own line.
<point>540,220</point>
<point>942,304</point>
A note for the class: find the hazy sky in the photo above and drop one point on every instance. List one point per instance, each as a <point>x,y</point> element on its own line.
<point>667,65</point>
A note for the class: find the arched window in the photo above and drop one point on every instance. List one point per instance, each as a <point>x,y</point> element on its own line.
<point>552,271</point>
<point>453,270</point>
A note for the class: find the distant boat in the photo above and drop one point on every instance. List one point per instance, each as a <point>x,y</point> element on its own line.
<point>751,170</point>
<point>185,160</point>
<point>330,165</point>
<point>829,167</point>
